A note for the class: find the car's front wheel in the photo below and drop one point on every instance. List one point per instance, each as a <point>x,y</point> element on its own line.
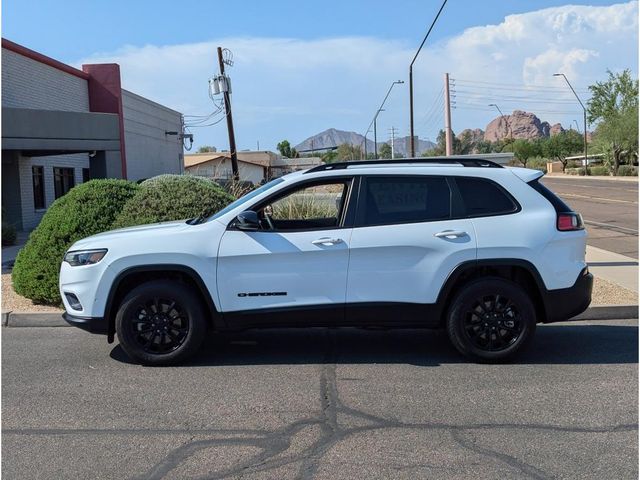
<point>491,320</point>
<point>161,322</point>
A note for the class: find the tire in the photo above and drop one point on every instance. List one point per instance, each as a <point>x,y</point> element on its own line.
<point>161,322</point>
<point>491,320</point>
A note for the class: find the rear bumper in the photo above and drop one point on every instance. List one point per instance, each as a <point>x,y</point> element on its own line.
<point>90,324</point>
<point>566,303</point>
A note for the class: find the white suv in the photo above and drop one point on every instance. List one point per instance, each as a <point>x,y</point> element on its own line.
<point>483,251</point>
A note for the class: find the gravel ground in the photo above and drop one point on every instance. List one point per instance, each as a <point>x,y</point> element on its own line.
<point>604,293</point>
<point>608,293</point>
<point>12,302</point>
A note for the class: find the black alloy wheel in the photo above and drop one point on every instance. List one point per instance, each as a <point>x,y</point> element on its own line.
<point>491,319</point>
<point>493,323</point>
<point>161,322</point>
<point>159,325</point>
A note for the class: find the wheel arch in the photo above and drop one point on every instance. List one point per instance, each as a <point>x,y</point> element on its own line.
<point>519,271</point>
<point>136,275</point>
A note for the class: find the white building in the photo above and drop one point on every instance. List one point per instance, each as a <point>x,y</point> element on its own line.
<point>62,126</point>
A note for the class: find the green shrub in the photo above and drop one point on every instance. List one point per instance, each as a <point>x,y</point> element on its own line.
<point>87,209</point>
<point>172,197</point>
<point>598,170</point>
<point>627,171</point>
<point>8,234</point>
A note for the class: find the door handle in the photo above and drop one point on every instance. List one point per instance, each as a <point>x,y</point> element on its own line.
<point>326,241</point>
<point>450,234</point>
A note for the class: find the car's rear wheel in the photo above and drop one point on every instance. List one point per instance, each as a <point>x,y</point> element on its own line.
<point>491,320</point>
<point>160,323</point>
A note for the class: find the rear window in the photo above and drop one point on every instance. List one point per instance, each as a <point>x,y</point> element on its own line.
<point>558,204</point>
<point>389,200</point>
<point>482,197</point>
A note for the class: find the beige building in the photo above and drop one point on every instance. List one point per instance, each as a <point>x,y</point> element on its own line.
<point>254,166</point>
<point>217,165</point>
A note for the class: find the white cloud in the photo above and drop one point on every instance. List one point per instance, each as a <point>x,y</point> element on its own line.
<point>291,88</point>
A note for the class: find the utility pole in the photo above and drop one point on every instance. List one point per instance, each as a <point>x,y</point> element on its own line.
<point>392,130</point>
<point>412,138</point>
<point>584,110</point>
<point>232,136</point>
<point>447,118</point>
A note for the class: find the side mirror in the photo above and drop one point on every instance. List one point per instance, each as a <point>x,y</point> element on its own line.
<point>248,220</point>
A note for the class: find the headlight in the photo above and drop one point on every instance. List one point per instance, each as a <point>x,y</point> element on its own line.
<point>84,257</point>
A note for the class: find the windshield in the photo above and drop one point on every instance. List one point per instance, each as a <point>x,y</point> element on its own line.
<point>248,196</point>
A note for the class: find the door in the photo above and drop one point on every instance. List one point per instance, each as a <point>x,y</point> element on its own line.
<point>405,242</point>
<point>298,258</point>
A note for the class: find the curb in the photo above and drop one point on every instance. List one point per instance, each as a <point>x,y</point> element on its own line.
<point>608,312</point>
<point>11,319</point>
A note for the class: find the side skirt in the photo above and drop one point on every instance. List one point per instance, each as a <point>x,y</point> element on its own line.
<point>374,314</point>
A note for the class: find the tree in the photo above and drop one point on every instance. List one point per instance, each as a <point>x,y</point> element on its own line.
<point>524,150</point>
<point>329,156</point>
<point>562,145</point>
<point>207,149</point>
<point>385,151</point>
<point>614,104</point>
<point>348,153</point>
<point>284,147</point>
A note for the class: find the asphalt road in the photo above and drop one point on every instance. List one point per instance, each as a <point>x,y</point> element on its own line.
<point>609,208</point>
<point>322,403</point>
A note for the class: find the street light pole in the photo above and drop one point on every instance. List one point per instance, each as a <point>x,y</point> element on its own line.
<point>375,133</point>
<point>412,147</point>
<point>509,131</point>
<point>375,118</point>
<point>584,113</point>
<point>577,126</point>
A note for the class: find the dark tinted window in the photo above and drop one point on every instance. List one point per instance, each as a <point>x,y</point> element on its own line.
<point>63,180</point>
<point>482,198</point>
<point>558,204</point>
<point>405,200</point>
<point>37,177</point>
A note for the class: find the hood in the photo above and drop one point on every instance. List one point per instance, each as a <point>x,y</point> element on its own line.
<point>95,241</point>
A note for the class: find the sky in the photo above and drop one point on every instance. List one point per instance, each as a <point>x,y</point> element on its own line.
<point>302,67</point>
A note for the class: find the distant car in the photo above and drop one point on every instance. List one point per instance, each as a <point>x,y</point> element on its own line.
<point>465,244</point>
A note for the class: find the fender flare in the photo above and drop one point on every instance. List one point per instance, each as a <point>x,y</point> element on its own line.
<point>447,288</point>
<point>163,267</point>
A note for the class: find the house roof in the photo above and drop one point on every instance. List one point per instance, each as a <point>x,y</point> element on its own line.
<point>194,159</point>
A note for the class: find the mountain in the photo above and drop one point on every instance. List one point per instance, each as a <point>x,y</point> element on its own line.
<point>334,137</point>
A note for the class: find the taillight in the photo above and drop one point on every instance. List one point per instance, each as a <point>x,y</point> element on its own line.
<point>570,221</point>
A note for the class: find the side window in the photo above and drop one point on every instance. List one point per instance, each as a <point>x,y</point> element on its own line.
<point>409,199</point>
<point>311,207</point>
<point>482,197</point>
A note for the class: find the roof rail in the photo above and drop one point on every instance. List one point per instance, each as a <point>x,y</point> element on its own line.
<point>465,162</point>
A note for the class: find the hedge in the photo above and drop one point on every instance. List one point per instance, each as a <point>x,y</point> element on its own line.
<point>86,210</point>
<point>172,197</point>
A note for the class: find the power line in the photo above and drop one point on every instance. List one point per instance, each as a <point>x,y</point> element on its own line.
<point>514,85</point>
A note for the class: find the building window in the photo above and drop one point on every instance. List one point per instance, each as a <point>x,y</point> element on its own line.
<point>37,175</point>
<point>63,180</point>
<point>86,175</point>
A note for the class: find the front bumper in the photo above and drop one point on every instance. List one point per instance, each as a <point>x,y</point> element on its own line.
<point>565,303</point>
<point>90,324</point>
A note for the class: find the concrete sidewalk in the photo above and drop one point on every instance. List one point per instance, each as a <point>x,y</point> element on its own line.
<point>9,254</point>
<point>590,177</point>
<point>613,267</point>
